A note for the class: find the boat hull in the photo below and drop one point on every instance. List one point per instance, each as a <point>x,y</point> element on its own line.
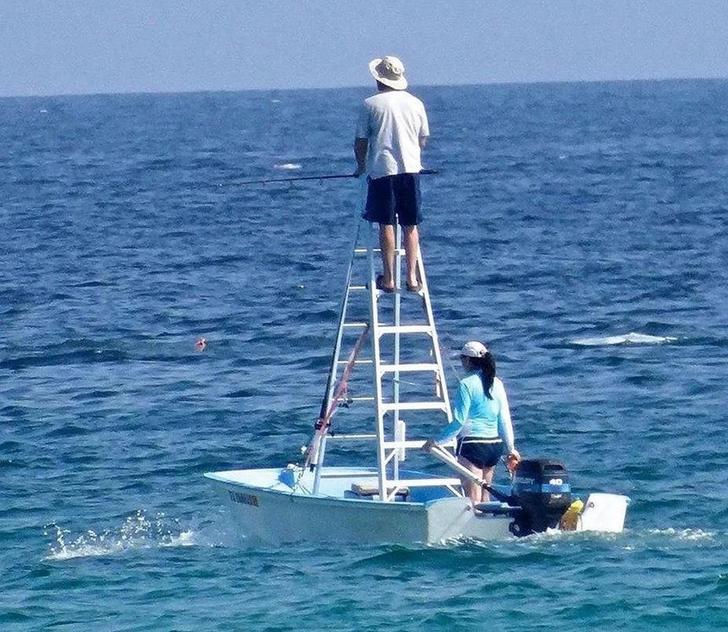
<point>267,509</point>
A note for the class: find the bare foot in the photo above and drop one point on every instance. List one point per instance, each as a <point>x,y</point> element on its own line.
<point>385,287</point>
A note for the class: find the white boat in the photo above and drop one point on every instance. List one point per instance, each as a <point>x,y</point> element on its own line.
<point>277,505</point>
<point>385,503</point>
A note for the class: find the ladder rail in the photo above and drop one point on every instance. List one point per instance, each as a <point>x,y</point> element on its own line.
<point>320,449</point>
<point>440,379</point>
<point>376,356</point>
<point>397,336</point>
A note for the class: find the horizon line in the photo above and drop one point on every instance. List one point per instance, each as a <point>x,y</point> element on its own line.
<point>354,87</point>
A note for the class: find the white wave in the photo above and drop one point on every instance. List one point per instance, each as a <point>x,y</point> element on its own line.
<point>631,338</point>
<point>287,166</point>
<point>684,534</point>
<point>137,532</point>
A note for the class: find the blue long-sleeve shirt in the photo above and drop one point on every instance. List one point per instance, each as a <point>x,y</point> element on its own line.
<point>477,416</point>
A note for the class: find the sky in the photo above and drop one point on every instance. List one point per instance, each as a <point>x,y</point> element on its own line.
<point>50,47</point>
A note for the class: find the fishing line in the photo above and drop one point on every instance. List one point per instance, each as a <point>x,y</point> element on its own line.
<point>447,353</point>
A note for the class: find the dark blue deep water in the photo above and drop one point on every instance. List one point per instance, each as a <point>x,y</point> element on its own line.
<point>564,218</point>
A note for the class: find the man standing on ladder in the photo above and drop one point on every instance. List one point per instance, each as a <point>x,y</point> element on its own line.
<point>391,132</point>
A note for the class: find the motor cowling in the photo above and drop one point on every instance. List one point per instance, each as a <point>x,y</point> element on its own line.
<point>541,488</point>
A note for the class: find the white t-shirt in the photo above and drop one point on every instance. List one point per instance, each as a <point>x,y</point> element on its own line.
<point>393,122</point>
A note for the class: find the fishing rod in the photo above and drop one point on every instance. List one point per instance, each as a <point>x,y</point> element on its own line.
<point>329,406</point>
<point>424,172</point>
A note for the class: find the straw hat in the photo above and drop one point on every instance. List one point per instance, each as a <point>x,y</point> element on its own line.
<point>389,70</point>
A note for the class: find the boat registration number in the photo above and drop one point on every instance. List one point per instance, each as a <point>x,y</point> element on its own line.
<point>243,499</point>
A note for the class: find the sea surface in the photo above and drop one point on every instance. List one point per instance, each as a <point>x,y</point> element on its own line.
<point>580,230</point>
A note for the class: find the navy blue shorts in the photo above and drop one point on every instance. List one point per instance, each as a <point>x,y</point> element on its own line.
<point>480,453</point>
<point>394,199</point>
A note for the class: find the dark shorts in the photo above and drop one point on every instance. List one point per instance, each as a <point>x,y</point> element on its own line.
<point>480,453</point>
<point>394,199</point>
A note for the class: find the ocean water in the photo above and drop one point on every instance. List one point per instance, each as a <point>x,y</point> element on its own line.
<point>579,229</point>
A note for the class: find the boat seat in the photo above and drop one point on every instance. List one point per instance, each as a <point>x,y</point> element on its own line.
<point>367,490</point>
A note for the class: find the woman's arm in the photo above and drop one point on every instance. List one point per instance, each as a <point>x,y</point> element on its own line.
<point>460,414</point>
<point>505,426</point>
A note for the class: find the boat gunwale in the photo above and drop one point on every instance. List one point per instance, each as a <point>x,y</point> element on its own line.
<point>310,497</point>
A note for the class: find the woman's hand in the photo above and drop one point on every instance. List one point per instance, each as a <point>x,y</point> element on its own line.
<point>428,445</point>
<point>512,460</point>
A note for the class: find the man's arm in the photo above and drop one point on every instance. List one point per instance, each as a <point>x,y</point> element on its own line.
<point>361,146</point>
<point>424,133</point>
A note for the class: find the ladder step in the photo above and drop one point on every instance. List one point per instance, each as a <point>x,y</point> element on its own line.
<point>363,398</point>
<point>414,406</point>
<point>355,361</point>
<point>408,368</point>
<point>347,474</point>
<point>351,437</point>
<point>405,329</point>
<point>414,444</point>
<point>357,288</point>
<point>355,325</point>
<point>425,482</point>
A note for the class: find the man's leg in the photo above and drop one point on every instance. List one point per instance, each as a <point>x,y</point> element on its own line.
<point>386,243</point>
<point>412,252</point>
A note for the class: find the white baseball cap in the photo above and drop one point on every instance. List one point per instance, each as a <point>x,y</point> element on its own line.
<point>473,349</point>
<point>389,70</point>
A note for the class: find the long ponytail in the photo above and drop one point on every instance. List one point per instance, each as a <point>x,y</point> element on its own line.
<point>486,366</point>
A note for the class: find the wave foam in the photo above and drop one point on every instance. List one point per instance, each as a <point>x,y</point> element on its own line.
<point>684,534</point>
<point>287,166</point>
<point>630,338</point>
<point>137,532</point>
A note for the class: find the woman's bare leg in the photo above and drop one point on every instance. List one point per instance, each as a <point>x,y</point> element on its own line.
<point>471,489</point>
<point>487,475</point>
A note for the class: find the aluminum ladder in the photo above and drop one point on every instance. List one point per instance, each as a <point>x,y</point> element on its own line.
<point>393,347</point>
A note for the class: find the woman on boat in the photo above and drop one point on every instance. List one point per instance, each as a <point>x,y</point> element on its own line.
<point>482,420</point>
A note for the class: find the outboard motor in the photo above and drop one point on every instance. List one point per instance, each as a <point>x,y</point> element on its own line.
<point>541,488</point>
